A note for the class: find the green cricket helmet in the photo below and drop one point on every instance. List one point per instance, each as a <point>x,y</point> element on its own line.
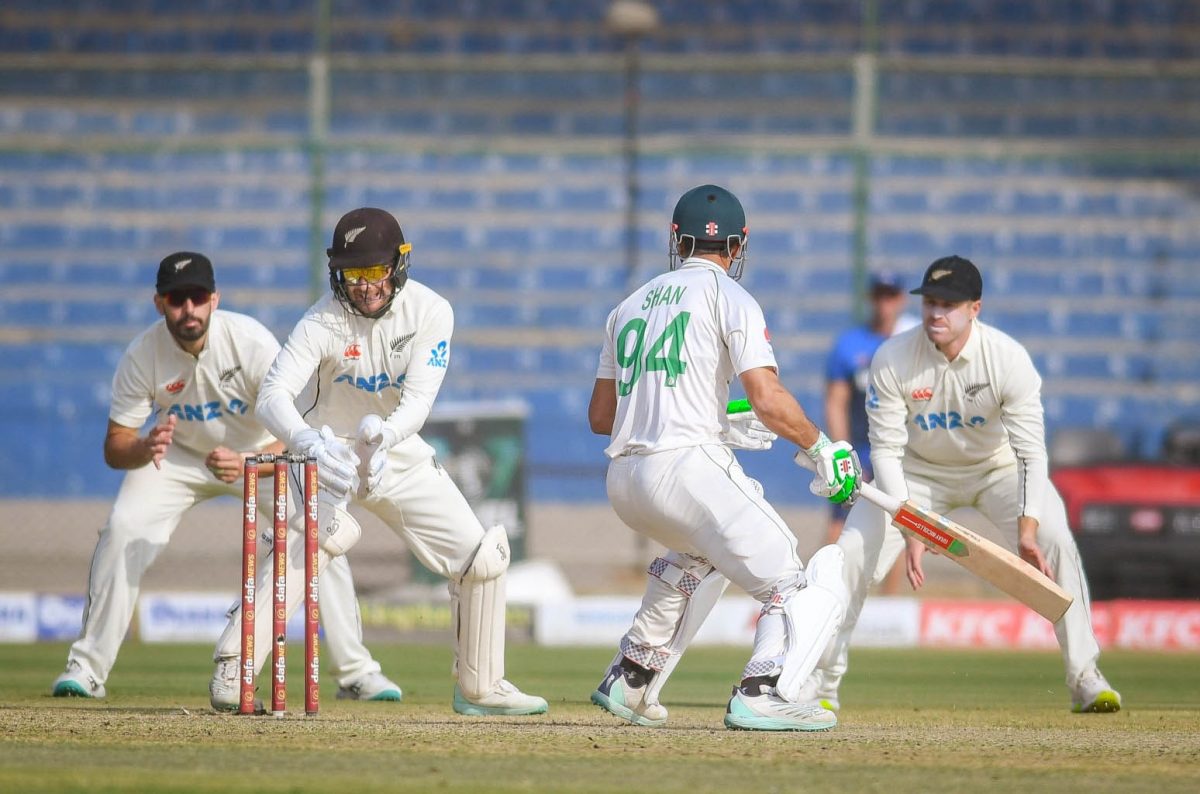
<point>709,218</point>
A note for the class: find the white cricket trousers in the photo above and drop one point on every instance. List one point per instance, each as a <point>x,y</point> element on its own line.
<point>992,490</point>
<point>698,501</point>
<point>148,508</point>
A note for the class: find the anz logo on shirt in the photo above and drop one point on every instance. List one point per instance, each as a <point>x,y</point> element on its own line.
<point>372,383</point>
<point>207,412</point>
<point>950,420</point>
<point>440,355</point>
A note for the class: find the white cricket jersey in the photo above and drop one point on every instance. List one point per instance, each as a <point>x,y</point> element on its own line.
<point>212,395</point>
<point>673,346</point>
<point>338,366</point>
<point>980,410</point>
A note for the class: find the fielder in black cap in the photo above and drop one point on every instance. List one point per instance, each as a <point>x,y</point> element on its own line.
<point>186,297</point>
<point>955,420</point>
<point>951,291</point>
<point>951,278</point>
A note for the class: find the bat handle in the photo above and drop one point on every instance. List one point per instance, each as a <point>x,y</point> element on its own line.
<point>872,494</point>
<point>879,498</point>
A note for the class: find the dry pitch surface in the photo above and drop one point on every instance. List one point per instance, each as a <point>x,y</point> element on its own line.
<point>911,721</point>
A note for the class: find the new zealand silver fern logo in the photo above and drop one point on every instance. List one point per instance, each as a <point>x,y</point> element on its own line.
<point>227,375</point>
<point>974,389</point>
<point>401,342</point>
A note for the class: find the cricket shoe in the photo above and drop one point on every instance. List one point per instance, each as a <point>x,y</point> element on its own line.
<point>76,682</point>
<point>225,688</point>
<point>372,686</point>
<point>757,708</point>
<point>1093,694</point>
<point>505,700</point>
<point>622,693</point>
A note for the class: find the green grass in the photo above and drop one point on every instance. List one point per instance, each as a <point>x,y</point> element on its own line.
<point>910,720</point>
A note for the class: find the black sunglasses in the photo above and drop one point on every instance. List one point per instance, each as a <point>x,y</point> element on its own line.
<point>197,295</point>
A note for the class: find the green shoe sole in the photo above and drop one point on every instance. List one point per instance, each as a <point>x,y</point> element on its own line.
<point>464,706</point>
<point>624,712</point>
<point>743,723</point>
<point>70,689</point>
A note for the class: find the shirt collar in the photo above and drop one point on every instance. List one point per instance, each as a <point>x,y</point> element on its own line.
<point>971,348</point>
<point>696,261</point>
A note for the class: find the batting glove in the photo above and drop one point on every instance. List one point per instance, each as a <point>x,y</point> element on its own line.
<point>336,463</point>
<point>747,432</point>
<point>375,438</point>
<point>839,474</point>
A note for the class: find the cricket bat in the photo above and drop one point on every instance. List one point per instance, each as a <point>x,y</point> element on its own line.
<point>987,560</point>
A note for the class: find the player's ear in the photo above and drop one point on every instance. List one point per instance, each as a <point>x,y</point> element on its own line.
<point>158,305</point>
<point>216,299</point>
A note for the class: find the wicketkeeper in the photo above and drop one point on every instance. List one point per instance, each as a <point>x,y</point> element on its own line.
<point>352,386</point>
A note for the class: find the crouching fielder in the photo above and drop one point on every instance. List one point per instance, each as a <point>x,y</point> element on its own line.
<point>670,351</point>
<point>955,416</point>
<point>352,386</point>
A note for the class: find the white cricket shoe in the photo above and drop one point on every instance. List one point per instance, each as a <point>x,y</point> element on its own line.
<point>1093,694</point>
<point>504,700</point>
<point>76,681</point>
<point>372,686</point>
<point>620,695</point>
<point>769,712</point>
<point>817,690</point>
<point>225,688</point>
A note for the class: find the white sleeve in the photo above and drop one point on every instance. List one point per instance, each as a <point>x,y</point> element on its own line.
<point>265,353</point>
<point>425,373</point>
<point>745,333</point>
<point>1021,413</point>
<point>288,375</point>
<point>608,363</point>
<point>887,427</point>
<point>132,391</point>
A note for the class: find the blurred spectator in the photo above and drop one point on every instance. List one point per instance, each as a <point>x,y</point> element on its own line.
<point>846,372</point>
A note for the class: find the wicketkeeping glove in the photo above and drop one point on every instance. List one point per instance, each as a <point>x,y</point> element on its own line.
<point>839,474</point>
<point>747,432</point>
<point>375,438</point>
<point>336,463</point>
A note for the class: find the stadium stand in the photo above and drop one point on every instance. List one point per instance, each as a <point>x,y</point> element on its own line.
<point>508,181</point>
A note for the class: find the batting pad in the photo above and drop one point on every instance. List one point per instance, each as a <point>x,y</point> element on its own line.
<point>812,616</point>
<point>695,611</point>
<point>477,604</point>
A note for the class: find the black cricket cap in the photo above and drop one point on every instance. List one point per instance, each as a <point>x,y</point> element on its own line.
<point>184,269</point>
<point>364,237</point>
<point>951,278</point>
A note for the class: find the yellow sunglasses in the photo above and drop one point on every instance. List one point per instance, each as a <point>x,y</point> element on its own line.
<point>373,272</point>
<point>369,273</point>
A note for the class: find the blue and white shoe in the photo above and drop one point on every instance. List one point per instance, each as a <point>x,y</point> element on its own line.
<point>77,682</point>
<point>1092,694</point>
<point>620,695</point>
<point>372,686</point>
<point>505,700</point>
<point>769,712</point>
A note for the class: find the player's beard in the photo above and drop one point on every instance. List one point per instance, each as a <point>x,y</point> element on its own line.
<point>185,330</point>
